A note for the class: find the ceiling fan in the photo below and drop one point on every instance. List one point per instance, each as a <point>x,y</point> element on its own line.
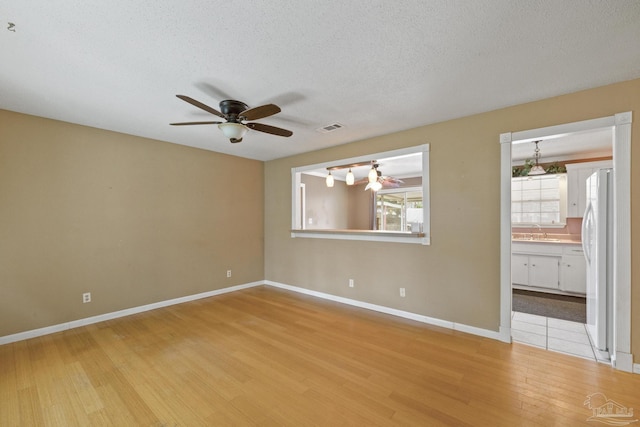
<point>235,114</point>
<point>375,180</point>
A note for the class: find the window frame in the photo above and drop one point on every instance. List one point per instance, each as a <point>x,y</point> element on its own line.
<point>423,238</point>
<point>562,203</point>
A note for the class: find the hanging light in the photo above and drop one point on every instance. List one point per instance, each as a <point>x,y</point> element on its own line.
<point>350,178</point>
<point>329,180</point>
<point>373,174</point>
<point>537,169</point>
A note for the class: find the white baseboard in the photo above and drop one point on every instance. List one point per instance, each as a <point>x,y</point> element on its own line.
<point>121,313</point>
<point>134,310</point>
<point>395,312</point>
<point>624,361</point>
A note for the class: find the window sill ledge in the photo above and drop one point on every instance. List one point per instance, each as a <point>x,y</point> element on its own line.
<point>366,235</point>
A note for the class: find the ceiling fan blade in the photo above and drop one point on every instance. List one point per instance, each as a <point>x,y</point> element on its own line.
<point>201,105</point>
<point>390,184</point>
<point>260,112</point>
<point>269,129</point>
<point>194,123</point>
<point>392,180</point>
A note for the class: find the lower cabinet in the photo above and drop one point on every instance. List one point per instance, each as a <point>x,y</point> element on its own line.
<point>573,274</point>
<point>540,271</point>
<point>519,269</point>
<point>554,266</point>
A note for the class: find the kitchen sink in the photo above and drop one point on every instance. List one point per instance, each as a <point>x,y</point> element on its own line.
<point>527,239</point>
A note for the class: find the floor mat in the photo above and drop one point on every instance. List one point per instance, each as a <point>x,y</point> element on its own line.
<point>563,307</point>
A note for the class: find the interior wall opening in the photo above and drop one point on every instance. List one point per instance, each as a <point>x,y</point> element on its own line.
<point>550,275</point>
<point>620,292</point>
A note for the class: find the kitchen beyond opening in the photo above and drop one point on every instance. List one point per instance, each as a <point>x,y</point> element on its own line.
<point>561,249</point>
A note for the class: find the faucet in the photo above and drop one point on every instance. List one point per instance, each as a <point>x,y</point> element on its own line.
<point>539,231</point>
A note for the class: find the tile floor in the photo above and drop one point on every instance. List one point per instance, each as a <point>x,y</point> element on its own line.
<point>555,335</point>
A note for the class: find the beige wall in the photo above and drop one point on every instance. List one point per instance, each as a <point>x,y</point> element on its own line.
<point>456,278</point>
<point>131,220</point>
<point>325,208</point>
<point>360,208</point>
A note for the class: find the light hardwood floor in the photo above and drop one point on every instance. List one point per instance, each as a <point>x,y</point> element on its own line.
<point>265,356</point>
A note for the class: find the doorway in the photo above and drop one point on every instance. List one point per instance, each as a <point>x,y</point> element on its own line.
<point>621,357</point>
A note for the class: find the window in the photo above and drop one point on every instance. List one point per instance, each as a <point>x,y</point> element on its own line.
<point>399,210</point>
<point>539,200</point>
<point>396,209</point>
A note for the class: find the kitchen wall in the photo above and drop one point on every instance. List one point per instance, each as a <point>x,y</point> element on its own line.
<point>456,278</point>
<point>360,208</point>
<point>325,208</point>
<point>131,220</point>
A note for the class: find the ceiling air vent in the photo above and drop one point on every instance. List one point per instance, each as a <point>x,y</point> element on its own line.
<point>330,128</point>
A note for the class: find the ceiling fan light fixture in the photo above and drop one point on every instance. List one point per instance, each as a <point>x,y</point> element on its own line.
<point>373,186</point>
<point>330,180</point>
<point>233,130</point>
<point>350,178</point>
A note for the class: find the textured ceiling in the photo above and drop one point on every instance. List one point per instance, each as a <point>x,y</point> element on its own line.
<point>375,67</point>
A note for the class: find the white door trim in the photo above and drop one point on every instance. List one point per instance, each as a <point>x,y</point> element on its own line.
<point>621,356</point>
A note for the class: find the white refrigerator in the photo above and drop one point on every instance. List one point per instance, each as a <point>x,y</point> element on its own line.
<point>597,242</point>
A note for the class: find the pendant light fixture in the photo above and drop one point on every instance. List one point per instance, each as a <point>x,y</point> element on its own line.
<point>372,179</point>
<point>537,169</point>
<point>373,174</point>
<point>350,178</point>
<point>329,180</point>
<point>374,183</point>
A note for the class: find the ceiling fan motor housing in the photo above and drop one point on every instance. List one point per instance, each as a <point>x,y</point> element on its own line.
<point>232,109</point>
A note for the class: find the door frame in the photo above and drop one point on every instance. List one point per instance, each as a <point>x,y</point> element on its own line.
<point>621,356</point>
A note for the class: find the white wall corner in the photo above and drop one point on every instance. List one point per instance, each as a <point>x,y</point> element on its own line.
<point>636,368</point>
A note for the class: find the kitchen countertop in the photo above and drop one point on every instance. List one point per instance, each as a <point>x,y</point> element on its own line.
<point>548,240</point>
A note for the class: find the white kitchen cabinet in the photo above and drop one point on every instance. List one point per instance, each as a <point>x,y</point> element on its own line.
<point>520,269</point>
<point>577,174</point>
<point>540,271</point>
<point>544,271</point>
<point>553,267</point>
<point>573,271</point>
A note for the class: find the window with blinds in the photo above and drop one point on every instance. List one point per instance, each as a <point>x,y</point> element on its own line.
<point>539,200</point>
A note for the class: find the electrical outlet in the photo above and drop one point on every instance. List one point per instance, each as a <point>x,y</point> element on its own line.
<point>351,284</point>
<point>228,273</point>
<point>86,297</point>
<point>402,293</point>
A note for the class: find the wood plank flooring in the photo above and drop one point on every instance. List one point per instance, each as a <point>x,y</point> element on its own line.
<point>269,357</point>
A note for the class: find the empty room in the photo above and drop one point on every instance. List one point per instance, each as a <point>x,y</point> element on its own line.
<point>319,213</point>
